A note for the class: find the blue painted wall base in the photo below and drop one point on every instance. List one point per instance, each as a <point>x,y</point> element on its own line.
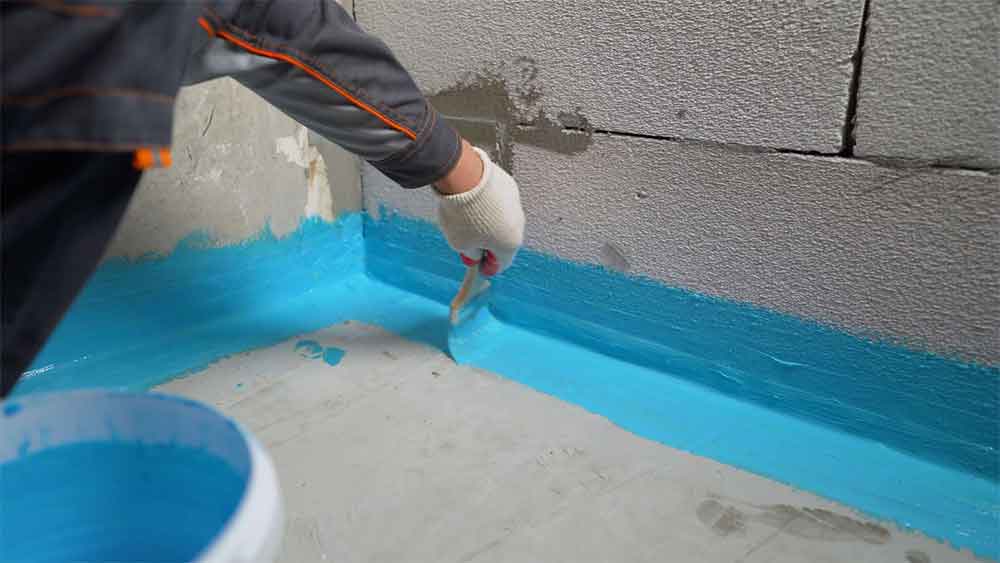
<point>902,435</point>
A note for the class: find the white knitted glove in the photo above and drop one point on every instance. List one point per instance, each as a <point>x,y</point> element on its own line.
<point>487,221</point>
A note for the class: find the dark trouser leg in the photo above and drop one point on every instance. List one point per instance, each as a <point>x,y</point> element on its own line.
<point>59,210</point>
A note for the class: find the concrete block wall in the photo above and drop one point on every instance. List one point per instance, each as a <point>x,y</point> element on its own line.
<point>757,73</point>
<point>743,150</point>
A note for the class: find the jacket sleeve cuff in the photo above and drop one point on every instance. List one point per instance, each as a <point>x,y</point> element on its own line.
<point>434,153</point>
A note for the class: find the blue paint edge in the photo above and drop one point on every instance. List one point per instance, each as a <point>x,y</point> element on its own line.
<point>930,418</point>
<point>934,407</point>
<point>139,323</point>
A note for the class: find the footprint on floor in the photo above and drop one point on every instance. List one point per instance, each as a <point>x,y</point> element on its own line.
<point>721,519</point>
<point>914,556</point>
<point>804,522</point>
<point>309,349</point>
<point>314,351</point>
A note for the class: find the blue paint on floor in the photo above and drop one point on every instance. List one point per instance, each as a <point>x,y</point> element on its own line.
<point>140,323</point>
<point>309,349</point>
<point>899,434</point>
<point>314,350</point>
<point>332,355</point>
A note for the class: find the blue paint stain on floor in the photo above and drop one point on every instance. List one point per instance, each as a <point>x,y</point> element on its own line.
<point>309,349</point>
<point>332,355</point>
<point>314,350</point>
<point>899,434</point>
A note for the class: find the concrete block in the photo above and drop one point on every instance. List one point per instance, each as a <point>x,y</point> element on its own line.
<point>930,83</point>
<point>770,74</point>
<point>908,255</point>
<point>240,165</point>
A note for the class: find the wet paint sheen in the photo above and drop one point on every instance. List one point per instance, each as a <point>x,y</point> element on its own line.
<point>115,502</point>
<point>899,434</point>
<point>139,323</point>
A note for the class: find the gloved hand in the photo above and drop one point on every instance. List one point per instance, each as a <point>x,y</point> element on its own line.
<point>485,222</point>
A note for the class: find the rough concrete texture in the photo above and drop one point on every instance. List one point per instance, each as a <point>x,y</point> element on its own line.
<point>240,165</point>
<point>755,73</point>
<point>908,255</point>
<point>398,454</point>
<point>930,83</point>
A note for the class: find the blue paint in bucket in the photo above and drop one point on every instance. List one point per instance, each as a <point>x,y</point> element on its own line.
<point>113,476</point>
<point>115,501</point>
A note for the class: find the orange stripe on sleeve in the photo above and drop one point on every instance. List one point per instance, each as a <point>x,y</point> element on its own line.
<point>205,25</point>
<point>311,72</point>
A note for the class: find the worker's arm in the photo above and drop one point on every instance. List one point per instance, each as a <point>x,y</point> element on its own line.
<point>310,59</point>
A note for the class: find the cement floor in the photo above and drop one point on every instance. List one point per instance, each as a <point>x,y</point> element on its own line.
<point>397,454</point>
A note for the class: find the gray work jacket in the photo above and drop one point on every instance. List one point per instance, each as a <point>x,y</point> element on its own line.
<point>96,76</point>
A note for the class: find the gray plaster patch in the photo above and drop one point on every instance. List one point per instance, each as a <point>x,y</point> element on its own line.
<point>515,110</point>
<point>556,136</point>
<point>483,133</point>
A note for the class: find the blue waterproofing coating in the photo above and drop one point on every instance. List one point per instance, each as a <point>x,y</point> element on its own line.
<point>115,501</point>
<point>903,435</point>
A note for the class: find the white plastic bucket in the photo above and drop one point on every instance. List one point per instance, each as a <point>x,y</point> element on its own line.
<point>115,476</point>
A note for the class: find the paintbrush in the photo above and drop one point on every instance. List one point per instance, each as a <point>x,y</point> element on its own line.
<point>468,313</point>
<point>465,292</point>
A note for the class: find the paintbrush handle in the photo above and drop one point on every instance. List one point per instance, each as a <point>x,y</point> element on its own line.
<point>464,292</point>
